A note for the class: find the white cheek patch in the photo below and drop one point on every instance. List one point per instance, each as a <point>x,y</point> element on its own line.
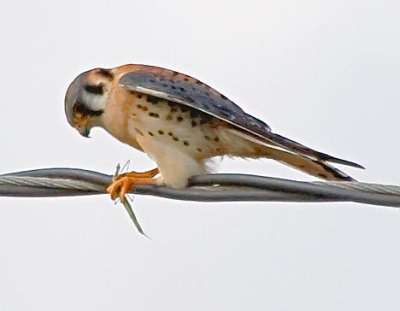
<point>95,102</point>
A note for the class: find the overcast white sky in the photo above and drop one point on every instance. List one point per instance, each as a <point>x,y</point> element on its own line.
<point>325,73</point>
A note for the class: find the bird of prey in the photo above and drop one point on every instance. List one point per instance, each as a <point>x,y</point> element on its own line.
<point>180,122</point>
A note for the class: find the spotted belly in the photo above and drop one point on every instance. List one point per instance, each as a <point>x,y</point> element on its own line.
<point>187,129</point>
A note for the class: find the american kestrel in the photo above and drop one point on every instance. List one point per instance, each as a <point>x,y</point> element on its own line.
<point>180,122</point>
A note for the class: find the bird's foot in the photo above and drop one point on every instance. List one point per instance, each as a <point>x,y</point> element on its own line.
<point>124,183</point>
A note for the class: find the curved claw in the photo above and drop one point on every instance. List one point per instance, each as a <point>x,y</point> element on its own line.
<point>125,183</point>
<point>119,188</point>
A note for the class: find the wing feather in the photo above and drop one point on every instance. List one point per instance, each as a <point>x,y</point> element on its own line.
<point>173,86</point>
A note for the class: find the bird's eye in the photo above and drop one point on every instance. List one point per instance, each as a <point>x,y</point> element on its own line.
<point>95,89</point>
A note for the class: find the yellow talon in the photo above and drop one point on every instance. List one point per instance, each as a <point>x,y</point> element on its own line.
<point>125,183</point>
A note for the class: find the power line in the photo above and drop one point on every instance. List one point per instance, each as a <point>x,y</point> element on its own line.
<point>55,182</point>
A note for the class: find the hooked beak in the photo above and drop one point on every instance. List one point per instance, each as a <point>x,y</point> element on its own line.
<point>84,131</point>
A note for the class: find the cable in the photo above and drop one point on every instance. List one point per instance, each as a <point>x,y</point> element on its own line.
<point>55,182</point>
<point>212,187</point>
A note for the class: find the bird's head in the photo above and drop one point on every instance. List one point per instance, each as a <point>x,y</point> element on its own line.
<point>86,99</point>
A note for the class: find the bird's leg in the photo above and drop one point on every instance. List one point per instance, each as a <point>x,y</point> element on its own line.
<point>149,174</point>
<point>124,183</point>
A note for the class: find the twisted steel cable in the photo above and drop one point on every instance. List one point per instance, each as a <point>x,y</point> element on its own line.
<point>55,182</point>
<point>213,187</point>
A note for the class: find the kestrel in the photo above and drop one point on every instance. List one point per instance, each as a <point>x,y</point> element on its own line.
<point>180,122</point>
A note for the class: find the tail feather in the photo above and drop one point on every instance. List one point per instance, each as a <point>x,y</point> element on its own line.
<point>313,167</point>
<point>295,146</point>
<point>290,153</point>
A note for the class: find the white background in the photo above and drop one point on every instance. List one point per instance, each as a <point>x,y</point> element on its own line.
<point>325,73</point>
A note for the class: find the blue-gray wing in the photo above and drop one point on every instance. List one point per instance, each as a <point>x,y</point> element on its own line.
<point>176,87</point>
<point>185,90</point>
